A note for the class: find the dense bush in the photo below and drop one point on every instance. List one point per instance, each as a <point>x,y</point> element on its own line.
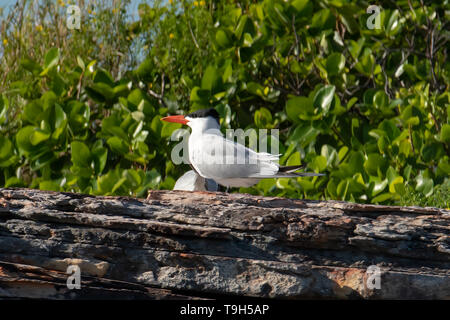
<point>368,107</point>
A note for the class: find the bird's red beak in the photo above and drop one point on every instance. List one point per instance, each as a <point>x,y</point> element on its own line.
<point>178,119</point>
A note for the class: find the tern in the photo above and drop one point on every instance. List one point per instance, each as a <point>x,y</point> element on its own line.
<point>227,162</point>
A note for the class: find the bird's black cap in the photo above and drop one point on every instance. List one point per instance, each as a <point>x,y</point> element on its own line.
<point>203,113</point>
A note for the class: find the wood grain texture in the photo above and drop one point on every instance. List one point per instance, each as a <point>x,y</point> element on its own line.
<point>179,245</point>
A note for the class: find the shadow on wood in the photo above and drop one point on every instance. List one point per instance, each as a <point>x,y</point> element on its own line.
<point>189,245</point>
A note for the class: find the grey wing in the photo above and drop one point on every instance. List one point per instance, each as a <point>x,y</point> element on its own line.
<point>217,157</point>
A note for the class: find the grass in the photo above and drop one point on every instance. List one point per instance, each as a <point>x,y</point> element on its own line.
<point>440,198</point>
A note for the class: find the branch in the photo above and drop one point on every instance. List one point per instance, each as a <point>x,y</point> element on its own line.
<point>160,97</point>
<point>190,29</point>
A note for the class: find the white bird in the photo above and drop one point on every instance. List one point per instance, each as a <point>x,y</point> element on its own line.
<point>191,181</point>
<point>227,162</point>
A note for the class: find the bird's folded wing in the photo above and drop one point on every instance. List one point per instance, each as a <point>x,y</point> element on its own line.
<point>217,156</point>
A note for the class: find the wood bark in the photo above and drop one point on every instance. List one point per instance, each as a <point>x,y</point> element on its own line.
<point>196,245</point>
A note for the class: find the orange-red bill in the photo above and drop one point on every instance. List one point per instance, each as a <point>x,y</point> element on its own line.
<point>178,119</point>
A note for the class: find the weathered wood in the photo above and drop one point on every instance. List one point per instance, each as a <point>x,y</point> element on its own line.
<point>179,244</point>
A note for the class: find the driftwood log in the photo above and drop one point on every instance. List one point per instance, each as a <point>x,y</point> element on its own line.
<point>178,244</point>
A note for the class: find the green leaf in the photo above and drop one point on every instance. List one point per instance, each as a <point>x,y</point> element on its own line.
<point>32,112</point>
<point>319,163</point>
<point>322,20</point>
<point>355,48</point>
<point>118,184</point>
<point>305,183</point>
<point>342,189</point>
<point>80,63</point>
<point>38,136</point>
<point>380,100</point>
<point>211,79</point>
<point>356,162</point>
<point>138,116</point>
<point>240,26</point>
<point>330,154</point>
<point>303,8</point>
<point>23,139</point>
<point>150,181</point>
<point>393,25</point>
<point>4,105</point>
<point>280,14</point>
<point>424,185</point>
<point>374,163</point>
<point>303,135</point>
<point>430,151</point>
<point>48,100</point>
<point>393,185</point>
<point>50,185</point>
<point>79,115</point>
<point>133,178</point>
<point>342,153</point>
<point>294,159</point>
<point>51,58</point>
<point>263,118</point>
<point>117,145</point>
<point>90,67</point>
<point>100,155</point>
<point>168,128</point>
<point>167,184</point>
<point>59,124</point>
<point>283,183</point>
<point>6,150</point>
<point>121,90</point>
<point>445,133</point>
<point>379,187</point>
<point>223,38</point>
<point>108,181</point>
<point>389,129</point>
<point>411,116</point>
<point>299,108</point>
<point>42,159</point>
<point>228,70</point>
<point>100,92</point>
<point>31,65</point>
<point>366,65</point>
<point>200,95</point>
<point>335,63</point>
<point>444,166</point>
<point>14,182</point>
<point>152,178</point>
<point>136,97</point>
<point>144,69</point>
<point>383,144</point>
<point>382,198</point>
<point>323,98</point>
<point>103,76</point>
<point>405,147</point>
<point>347,16</point>
<point>94,94</point>
<point>255,88</point>
<point>81,156</point>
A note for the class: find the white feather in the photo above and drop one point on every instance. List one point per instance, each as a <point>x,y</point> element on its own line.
<point>227,162</point>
